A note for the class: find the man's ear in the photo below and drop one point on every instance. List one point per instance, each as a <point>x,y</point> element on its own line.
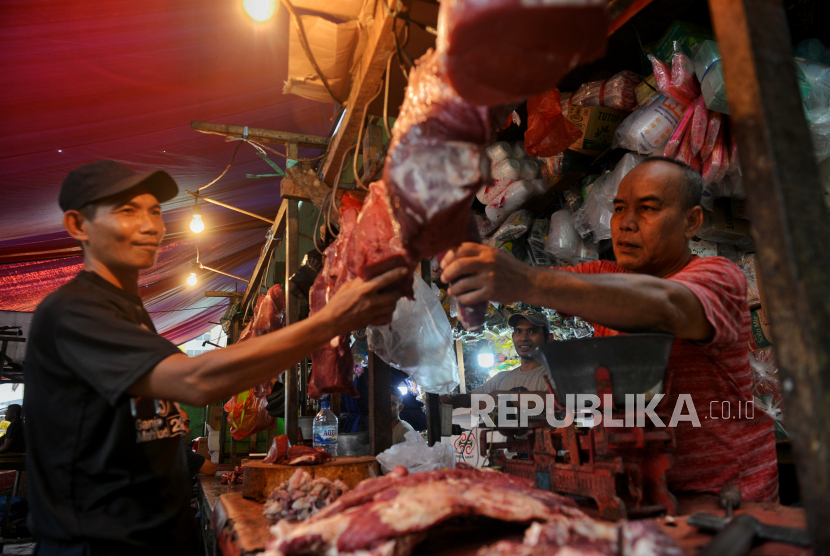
<point>550,337</point>
<point>694,220</point>
<point>75,225</point>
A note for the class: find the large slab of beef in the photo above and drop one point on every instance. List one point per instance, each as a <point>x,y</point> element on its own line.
<point>268,316</point>
<point>567,536</point>
<point>391,514</point>
<point>501,51</point>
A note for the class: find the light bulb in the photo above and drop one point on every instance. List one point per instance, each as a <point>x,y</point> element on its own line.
<point>486,359</point>
<point>191,280</point>
<point>260,10</point>
<point>402,390</point>
<point>196,225</point>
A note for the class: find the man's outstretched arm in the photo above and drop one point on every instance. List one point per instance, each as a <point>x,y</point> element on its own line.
<point>625,302</point>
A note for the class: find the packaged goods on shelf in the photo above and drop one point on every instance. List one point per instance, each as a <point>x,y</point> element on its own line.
<point>646,90</point>
<point>596,126</point>
<point>709,71</point>
<point>760,336</point>
<point>721,226</point>
<point>680,34</point>
<point>511,199</point>
<point>747,265</point>
<point>649,128</point>
<point>548,131</point>
<point>515,226</point>
<point>499,151</point>
<point>677,81</point>
<point>618,92</point>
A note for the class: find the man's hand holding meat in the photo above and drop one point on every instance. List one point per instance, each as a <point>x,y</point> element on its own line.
<point>656,284</point>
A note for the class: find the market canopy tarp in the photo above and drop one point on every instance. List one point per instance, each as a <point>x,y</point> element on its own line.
<point>86,80</point>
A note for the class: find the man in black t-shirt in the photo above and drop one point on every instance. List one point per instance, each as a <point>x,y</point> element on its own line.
<point>105,466</point>
<point>13,442</point>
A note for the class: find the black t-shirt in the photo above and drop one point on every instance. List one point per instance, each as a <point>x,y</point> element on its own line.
<point>100,464</point>
<point>14,432</point>
<point>194,461</point>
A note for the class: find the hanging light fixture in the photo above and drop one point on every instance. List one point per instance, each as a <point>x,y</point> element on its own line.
<point>191,279</point>
<point>260,10</point>
<point>486,358</point>
<point>196,225</point>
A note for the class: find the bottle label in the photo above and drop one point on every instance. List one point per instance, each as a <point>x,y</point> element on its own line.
<point>325,436</point>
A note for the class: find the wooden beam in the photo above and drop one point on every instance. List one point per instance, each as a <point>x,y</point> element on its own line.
<point>380,44</point>
<point>262,135</point>
<point>790,228</point>
<point>223,294</point>
<point>277,230</point>
<point>380,404</point>
<point>306,180</point>
<point>289,190</point>
<point>292,310</point>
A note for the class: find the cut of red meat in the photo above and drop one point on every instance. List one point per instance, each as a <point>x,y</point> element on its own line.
<point>501,51</point>
<point>392,508</point>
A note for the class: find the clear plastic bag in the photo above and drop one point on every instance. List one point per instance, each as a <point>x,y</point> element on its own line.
<point>709,71</point>
<point>419,341</point>
<point>563,240</point>
<point>549,132</point>
<point>649,128</point>
<point>817,105</point>
<point>593,220</point>
<point>512,197</point>
<point>618,92</point>
<point>516,225</point>
<point>417,456</point>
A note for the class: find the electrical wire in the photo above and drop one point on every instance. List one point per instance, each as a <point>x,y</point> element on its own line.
<point>225,171</point>
<point>317,223</point>
<point>386,97</point>
<point>334,189</point>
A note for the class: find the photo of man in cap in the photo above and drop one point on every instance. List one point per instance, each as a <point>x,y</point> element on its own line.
<point>105,466</point>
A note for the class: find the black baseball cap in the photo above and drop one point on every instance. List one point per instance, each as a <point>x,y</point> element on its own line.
<point>534,317</point>
<point>99,180</point>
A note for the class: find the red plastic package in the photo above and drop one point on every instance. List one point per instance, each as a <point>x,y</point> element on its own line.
<point>685,152</point>
<point>549,132</point>
<point>673,146</point>
<point>696,163</point>
<point>247,415</point>
<point>724,154</point>
<point>713,167</point>
<point>712,129</point>
<point>678,82</point>
<point>700,121</point>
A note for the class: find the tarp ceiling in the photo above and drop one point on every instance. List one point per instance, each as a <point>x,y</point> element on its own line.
<point>85,80</point>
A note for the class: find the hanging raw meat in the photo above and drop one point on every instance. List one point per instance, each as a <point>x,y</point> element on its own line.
<point>501,51</point>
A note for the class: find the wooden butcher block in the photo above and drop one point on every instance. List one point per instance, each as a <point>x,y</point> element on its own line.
<point>262,478</point>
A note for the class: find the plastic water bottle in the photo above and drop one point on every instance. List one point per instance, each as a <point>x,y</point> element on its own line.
<point>325,429</point>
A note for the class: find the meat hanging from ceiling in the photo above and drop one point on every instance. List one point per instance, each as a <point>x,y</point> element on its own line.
<point>501,51</point>
<point>391,514</point>
<point>419,209</point>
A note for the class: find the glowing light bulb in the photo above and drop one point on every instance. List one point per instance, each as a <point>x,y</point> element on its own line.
<point>260,10</point>
<point>196,225</point>
<point>486,359</point>
<point>191,280</point>
<point>402,390</point>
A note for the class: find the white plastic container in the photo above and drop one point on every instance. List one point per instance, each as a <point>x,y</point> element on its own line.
<point>530,169</point>
<point>519,149</point>
<point>506,170</point>
<point>499,151</point>
<point>514,197</point>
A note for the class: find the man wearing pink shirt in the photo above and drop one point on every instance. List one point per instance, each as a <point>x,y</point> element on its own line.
<point>658,285</point>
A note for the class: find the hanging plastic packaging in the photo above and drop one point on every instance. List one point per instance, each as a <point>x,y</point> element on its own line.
<point>817,104</point>
<point>505,170</point>
<point>813,49</point>
<point>649,128</point>
<point>499,151</point>
<point>677,81</point>
<point>419,341</point>
<point>516,225</point>
<point>712,130</point>
<point>563,241</point>
<point>673,146</point>
<point>618,92</point>
<point>709,71</point>
<point>713,167</point>
<point>248,415</point>
<point>700,121</point>
<point>549,132</point>
<point>593,219</point>
<point>513,197</point>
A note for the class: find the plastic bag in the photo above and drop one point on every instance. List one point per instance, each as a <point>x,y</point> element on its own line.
<point>649,128</point>
<point>516,225</point>
<point>248,415</point>
<point>817,105</point>
<point>512,197</point>
<point>538,233</point>
<point>484,225</point>
<point>593,219</point>
<point>700,122</point>
<point>563,240</point>
<point>505,170</point>
<point>677,81</point>
<point>709,71</point>
<point>419,341</point>
<point>549,132</point>
<point>617,92</point>
<point>417,456</point>
<point>712,130</point>
<point>713,166</point>
<point>813,49</point>
<point>680,34</point>
<point>673,146</point>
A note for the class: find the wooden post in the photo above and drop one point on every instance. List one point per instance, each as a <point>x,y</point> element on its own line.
<point>790,229</point>
<point>380,404</point>
<point>462,380</point>
<point>433,404</point>
<point>292,305</point>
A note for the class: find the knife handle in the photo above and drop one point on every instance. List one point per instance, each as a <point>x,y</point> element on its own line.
<point>735,539</point>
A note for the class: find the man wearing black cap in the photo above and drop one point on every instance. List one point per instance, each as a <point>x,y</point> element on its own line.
<point>531,329</point>
<point>106,471</point>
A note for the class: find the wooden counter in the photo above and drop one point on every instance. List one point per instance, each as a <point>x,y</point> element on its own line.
<point>241,529</point>
<point>262,478</point>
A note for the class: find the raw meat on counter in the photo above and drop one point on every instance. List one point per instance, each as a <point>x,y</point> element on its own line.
<point>501,51</point>
<point>391,514</point>
<point>300,497</point>
<point>568,536</point>
<point>232,477</point>
<point>283,453</point>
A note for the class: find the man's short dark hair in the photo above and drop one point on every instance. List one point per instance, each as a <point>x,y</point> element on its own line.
<point>691,181</point>
<point>17,409</point>
<point>397,393</point>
